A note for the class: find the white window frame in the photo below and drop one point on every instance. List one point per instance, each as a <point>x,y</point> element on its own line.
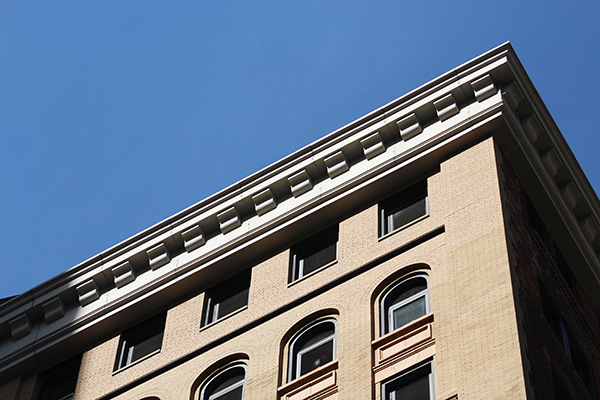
<point>229,388</point>
<point>388,314</point>
<point>297,355</point>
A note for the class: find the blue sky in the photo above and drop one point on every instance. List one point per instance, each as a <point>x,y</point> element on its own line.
<point>116,115</point>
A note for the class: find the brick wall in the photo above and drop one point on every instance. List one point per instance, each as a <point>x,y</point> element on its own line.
<point>544,283</point>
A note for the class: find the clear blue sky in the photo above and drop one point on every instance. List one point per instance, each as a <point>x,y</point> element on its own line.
<point>117,114</point>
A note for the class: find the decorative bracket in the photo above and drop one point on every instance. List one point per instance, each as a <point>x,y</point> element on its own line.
<point>229,220</point>
<point>158,256</point>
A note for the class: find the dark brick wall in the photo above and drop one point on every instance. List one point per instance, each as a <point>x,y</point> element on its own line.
<point>549,301</point>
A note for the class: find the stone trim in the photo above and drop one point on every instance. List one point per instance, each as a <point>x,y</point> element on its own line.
<point>403,348</point>
<point>312,384</point>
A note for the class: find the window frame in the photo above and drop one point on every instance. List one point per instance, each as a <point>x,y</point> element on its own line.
<point>211,306</point>
<point>297,264</point>
<point>389,383</point>
<point>139,334</point>
<point>211,396</point>
<point>386,314</point>
<point>398,202</point>
<point>295,356</point>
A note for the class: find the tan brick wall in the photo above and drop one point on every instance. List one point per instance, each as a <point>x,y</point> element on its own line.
<point>475,326</point>
<point>477,351</point>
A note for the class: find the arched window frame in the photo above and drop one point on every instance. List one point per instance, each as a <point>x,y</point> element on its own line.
<point>295,355</point>
<point>386,313</point>
<point>210,396</point>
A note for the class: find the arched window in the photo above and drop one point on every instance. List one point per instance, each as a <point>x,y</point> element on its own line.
<point>404,302</point>
<point>227,384</point>
<point>313,347</point>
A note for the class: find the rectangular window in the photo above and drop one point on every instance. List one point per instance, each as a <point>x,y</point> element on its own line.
<point>141,340</point>
<point>571,347</point>
<point>403,208</point>
<point>227,297</point>
<point>583,368</point>
<point>58,383</point>
<point>314,253</point>
<point>414,384</point>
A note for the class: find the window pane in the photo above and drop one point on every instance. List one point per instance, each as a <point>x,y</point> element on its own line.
<point>225,380</point>
<point>235,394</point>
<point>314,253</point>
<point>414,385</point>
<point>146,346</point>
<point>141,340</point>
<point>59,382</point>
<point>407,214</point>
<point>316,357</point>
<point>409,312</point>
<point>403,207</point>
<point>60,390</point>
<point>226,385</point>
<point>318,259</point>
<point>233,303</point>
<point>416,389</point>
<point>315,335</point>
<point>227,297</point>
<point>405,290</point>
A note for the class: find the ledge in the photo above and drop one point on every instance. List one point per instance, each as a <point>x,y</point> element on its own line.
<point>402,348</point>
<point>316,382</point>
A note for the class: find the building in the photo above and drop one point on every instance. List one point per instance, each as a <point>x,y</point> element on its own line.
<point>445,246</point>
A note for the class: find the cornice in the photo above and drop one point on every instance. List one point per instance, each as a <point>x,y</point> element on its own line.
<point>183,250</point>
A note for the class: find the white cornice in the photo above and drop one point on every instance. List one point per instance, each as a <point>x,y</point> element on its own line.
<point>169,255</point>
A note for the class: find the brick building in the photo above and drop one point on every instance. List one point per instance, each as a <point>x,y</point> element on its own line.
<point>445,246</point>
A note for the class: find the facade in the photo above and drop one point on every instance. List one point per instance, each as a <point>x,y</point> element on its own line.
<point>445,246</point>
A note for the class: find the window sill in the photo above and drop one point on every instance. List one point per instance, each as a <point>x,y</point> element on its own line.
<point>147,356</point>
<point>231,314</point>
<point>403,227</point>
<point>403,348</point>
<point>320,380</point>
<point>411,326</point>
<point>449,395</point>
<point>329,264</point>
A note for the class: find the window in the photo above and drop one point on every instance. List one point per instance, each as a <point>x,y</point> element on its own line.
<point>313,253</point>
<point>403,207</point>
<point>227,297</point>
<point>59,382</point>
<point>569,344</point>
<point>556,323</point>
<point>415,384</point>
<point>140,341</point>
<point>404,302</point>
<point>228,384</point>
<point>583,368</point>
<point>312,348</point>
